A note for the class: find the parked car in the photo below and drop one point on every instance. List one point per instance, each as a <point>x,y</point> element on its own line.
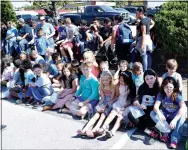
<point>131,9</point>
<point>90,12</point>
<point>28,18</point>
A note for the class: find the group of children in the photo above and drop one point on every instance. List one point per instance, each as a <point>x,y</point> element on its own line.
<point>129,96</point>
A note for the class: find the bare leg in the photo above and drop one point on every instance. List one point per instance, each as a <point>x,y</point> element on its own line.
<point>82,111</point>
<point>99,123</point>
<point>109,119</point>
<point>63,53</point>
<point>70,53</point>
<point>116,125</point>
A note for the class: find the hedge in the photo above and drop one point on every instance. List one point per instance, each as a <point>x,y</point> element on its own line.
<point>171,24</point>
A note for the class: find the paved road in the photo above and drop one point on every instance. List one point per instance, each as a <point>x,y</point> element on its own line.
<point>33,129</point>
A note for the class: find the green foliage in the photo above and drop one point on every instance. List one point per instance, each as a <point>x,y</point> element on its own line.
<point>7,12</point>
<point>172,28</point>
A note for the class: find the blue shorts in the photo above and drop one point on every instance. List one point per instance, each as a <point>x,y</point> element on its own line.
<point>92,102</point>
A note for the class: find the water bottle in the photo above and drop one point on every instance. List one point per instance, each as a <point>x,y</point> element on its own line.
<point>163,126</point>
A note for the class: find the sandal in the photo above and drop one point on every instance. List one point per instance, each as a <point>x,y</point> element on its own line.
<point>90,134</point>
<point>102,130</point>
<point>109,134</point>
<point>81,132</point>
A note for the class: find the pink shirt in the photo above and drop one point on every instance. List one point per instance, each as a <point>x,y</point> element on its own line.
<point>8,73</point>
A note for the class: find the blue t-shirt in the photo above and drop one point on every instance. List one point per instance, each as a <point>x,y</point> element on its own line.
<point>63,31</point>
<point>42,44</point>
<point>10,31</point>
<point>170,108</point>
<point>47,29</point>
<point>26,29</point>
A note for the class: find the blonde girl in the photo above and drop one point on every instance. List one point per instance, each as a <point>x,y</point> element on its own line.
<point>107,93</point>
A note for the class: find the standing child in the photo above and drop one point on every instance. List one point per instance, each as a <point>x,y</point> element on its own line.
<point>89,57</point>
<point>87,96</point>
<point>137,75</point>
<point>127,93</point>
<point>69,87</point>
<point>139,113</point>
<point>107,93</point>
<point>171,66</point>
<point>173,110</point>
<point>41,88</point>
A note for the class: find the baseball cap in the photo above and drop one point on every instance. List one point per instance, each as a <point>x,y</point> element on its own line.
<point>42,18</point>
<point>21,20</point>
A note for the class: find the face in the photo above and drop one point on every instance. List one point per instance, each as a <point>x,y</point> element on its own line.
<point>8,24</point>
<point>107,24</point>
<point>138,14</point>
<point>168,89</point>
<point>171,71</point>
<point>96,23</point>
<point>59,67</point>
<point>22,57</point>
<point>139,72</point>
<point>104,67</point>
<point>150,80</point>
<point>37,71</point>
<point>123,66</point>
<point>66,72</point>
<point>34,25</point>
<point>86,71</point>
<point>40,33</point>
<point>87,59</point>
<point>42,21</point>
<point>121,81</point>
<point>33,55</point>
<point>59,24</point>
<point>106,80</point>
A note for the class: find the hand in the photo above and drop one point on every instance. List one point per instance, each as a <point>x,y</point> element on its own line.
<point>101,45</point>
<point>81,104</point>
<point>143,106</point>
<point>161,116</point>
<point>173,124</point>
<point>19,38</point>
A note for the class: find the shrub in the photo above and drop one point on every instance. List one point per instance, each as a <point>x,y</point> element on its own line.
<point>172,29</point>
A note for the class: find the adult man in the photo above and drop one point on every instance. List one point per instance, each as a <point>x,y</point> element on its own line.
<point>25,35</point>
<point>144,42</point>
<point>48,30</point>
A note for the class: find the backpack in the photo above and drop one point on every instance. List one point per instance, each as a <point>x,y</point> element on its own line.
<point>124,34</point>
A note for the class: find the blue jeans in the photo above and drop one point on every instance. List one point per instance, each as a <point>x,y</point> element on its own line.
<point>23,45</point>
<point>10,47</point>
<point>146,60</point>
<point>175,136</point>
<point>51,41</point>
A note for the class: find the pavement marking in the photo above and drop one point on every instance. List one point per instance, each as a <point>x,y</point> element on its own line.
<point>124,138</point>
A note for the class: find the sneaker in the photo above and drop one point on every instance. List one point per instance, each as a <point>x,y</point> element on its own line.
<point>19,101</point>
<point>149,140</point>
<point>35,104</point>
<point>29,101</point>
<point>152,133</point>
<point>164,138</point>
<point>173,145</point>
<point>129,126</point>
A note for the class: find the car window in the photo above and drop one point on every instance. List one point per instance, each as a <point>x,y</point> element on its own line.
<point>18,16</point>
<point>88,9</point>
<point>26,16</point>
<point>98,10</point>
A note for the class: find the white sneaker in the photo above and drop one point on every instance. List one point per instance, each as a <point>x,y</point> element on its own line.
<point>19,101</point>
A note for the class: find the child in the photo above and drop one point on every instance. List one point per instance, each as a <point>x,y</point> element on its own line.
<point>127,92</point>
<point>171,66</point>
<point>123,67</point>
<point>139,113</point>
<point>7,76</point>
<point>107,93</point>
<point>89,57</point>
<point>104,66</point>
<point>173,110</point>
<point>69,87</point>
<point>21,80</point>
<point>137,75</point>
<point>42,44</point>
<point>87,96</point>
<point>37,58</point>
<point>41,88</point>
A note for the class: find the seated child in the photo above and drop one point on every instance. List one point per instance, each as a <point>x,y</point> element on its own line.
<point>107,93</point>
<point>171,66</point>
<point>87,96</point>
<point>69,87</point>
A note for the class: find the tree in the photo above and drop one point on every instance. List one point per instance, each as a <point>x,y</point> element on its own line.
<point>7,12</point>
<point>172,29</point>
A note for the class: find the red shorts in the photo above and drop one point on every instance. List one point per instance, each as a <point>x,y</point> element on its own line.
<point>69,44</point>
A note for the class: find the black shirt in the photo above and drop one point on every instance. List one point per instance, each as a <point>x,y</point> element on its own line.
<point>105,32</point>
<point>144,22</point>
<point>3,33</point>
<point>68,82</point>
<point>26,29</point>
